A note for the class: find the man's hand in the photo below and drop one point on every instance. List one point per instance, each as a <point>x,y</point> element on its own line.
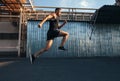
<point>39,25</point>
<point>65,21</point>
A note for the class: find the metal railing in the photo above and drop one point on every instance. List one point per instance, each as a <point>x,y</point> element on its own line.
<point>75,14</point>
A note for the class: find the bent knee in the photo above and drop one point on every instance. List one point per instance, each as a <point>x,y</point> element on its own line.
<point>66,34</point>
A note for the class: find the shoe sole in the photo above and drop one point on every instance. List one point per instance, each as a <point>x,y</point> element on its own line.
<point>63,50</point>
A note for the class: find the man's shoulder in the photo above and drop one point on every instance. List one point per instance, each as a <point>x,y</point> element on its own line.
<point>52,14</point>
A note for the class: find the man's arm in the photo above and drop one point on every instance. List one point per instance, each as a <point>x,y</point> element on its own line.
<point>62,24</point>
<point>45,19</point>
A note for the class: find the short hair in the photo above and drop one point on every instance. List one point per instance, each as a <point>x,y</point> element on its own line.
<point>57,9</point>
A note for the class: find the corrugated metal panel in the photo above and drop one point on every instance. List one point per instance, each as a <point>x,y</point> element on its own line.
<point>105,40</point>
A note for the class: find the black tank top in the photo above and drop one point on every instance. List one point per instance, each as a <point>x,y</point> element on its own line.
<point>53,24</point>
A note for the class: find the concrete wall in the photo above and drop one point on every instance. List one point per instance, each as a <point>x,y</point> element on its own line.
<point>8,44</point>
<point>8,38</point>
<point>8,27</point>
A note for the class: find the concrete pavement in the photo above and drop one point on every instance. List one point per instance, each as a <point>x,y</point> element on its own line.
<point>60,69</point>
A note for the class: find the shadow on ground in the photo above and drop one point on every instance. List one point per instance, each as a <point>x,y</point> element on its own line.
<point>60,69</point>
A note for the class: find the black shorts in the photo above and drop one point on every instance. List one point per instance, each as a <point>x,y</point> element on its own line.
<point>51,34</point>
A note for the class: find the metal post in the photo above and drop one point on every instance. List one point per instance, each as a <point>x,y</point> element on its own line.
<point>83,17</point>
<point>19,40</point>
<point>68,14</point>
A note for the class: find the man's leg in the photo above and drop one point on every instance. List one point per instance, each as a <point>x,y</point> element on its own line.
<point>65,36</point>
<point>48,45</point>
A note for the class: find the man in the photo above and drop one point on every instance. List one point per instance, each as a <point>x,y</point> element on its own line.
<point>53,32</point>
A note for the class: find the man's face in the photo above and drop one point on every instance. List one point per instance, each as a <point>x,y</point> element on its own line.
<point>58,12</point>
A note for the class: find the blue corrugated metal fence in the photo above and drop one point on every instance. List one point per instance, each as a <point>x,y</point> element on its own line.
<point>105,40</point>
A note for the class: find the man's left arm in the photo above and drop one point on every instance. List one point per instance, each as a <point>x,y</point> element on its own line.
<point>62,24</point>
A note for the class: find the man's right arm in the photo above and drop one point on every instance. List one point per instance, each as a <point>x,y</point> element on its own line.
<point>45,19</point>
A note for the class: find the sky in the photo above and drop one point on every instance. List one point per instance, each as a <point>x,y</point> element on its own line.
<point>74,3</point>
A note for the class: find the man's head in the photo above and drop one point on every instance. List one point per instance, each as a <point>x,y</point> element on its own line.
<point>58,11</point>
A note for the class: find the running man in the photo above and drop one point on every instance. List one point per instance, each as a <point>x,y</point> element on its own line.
<point>53,32</point>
